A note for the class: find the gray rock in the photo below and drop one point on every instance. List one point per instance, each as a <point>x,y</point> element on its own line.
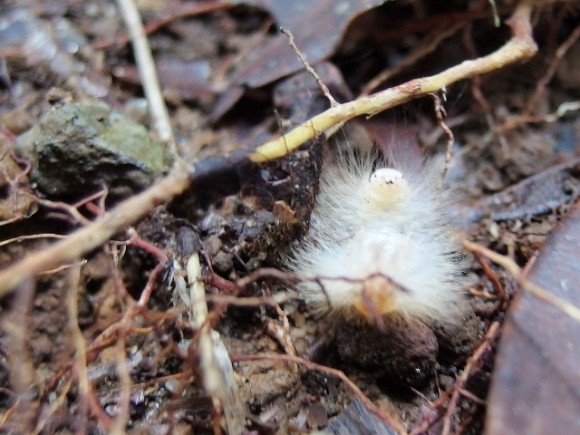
<point>79,147</point>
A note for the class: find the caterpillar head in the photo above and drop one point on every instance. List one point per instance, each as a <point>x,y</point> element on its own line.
<point>386,189</point>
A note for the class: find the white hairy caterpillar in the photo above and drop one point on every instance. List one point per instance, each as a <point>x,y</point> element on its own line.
<point>380,242</point>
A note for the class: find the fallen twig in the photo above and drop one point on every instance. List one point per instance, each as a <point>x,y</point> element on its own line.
<point>14,329</point>
<point>520,47</point>
<point>448,400</point>
<point>308,68</point>
<point>472,364</point>
<point>440,114</point>
<point>80,364</point>
<point>215,367</point>
<point>555,62</point>
<point>499,290</point>
<point>53,408</point>
<point>510,265</point>
<point>181,11</point>
<point>147,72</point>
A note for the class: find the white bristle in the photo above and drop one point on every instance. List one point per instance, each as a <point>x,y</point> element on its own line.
<point>379,242</point>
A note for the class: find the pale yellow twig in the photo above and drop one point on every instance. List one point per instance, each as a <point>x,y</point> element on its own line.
<point>73,282</point>
<point>215,366</point>
<point>125,386</point>
<point>520,47</point>
<point>31,237</point>
<point>147,72</point>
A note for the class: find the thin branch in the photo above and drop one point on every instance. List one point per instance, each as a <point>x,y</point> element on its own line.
<point>313,73</point>
<point>184,11</point>
<point>31,237</point>
<point>441,113</point>
<point>472,364</point>
<point>53,407</point>
<point>555,62</point>
<point>73,282</point>
<point>519,48</point>
<point>249,301</point>
<point>147,72</point>
<point>499,290</point>
<point>13,324</point>
<point>510,265</point>
<point>472,396</point>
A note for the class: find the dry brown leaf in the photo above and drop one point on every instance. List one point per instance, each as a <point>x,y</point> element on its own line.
<point>317,27</point>
<point>536,383</point>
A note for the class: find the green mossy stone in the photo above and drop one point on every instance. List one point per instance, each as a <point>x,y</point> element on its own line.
<point>76,148</point>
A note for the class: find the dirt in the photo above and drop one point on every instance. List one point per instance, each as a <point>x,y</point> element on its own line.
<point>514,167</point>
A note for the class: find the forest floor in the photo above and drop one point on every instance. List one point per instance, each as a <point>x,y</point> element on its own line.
<point>109,340</point>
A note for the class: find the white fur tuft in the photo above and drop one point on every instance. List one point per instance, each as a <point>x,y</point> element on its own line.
<point>380,242</point>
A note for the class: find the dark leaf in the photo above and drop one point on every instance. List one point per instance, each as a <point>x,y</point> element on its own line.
<point>536,383</point>
<point>317,28</point>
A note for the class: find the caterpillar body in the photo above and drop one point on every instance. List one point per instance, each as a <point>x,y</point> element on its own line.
<point>380,242</point>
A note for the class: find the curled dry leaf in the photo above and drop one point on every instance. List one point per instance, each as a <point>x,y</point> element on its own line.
<point>537,378</point>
